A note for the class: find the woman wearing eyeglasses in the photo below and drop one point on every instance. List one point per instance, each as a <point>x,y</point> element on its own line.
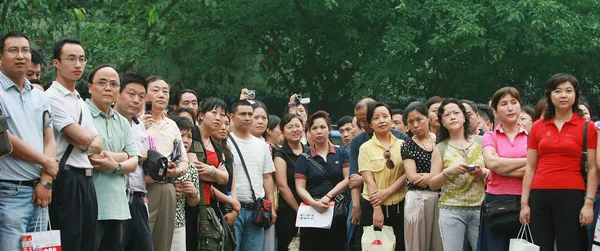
<point>380,164</point>
<point>458,169</point>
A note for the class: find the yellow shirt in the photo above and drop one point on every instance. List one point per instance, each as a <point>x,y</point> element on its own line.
<point>370,158</point>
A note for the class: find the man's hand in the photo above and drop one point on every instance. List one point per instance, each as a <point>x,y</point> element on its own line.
<point>147,120</point>
<point>378,196</point>
<point>103,162</point>
<point>230,217</point>
<point>42,196</point>
<point>236,206</point>
<point>244,94</point>
<point>172,170</point>
<point>355,215</point>
<point>50,166</point>
<point>355,181</point>
<point>273,216</point>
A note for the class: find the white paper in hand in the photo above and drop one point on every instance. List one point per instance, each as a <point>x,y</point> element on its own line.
<point>309,217</point>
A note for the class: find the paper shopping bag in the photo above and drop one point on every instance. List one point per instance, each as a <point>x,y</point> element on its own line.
<point>383,240</point>
<point>520,243</point>
<point>40,240</point>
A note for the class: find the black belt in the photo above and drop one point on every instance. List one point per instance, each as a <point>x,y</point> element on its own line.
<point>87,172</point>
<point>139,194</point>
<point>248,205</point>
<point>27,183</point>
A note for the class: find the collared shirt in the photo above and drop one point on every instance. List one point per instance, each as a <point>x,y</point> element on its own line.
<point>66,108</point>
<point>117,137</point>
<point>257,157</point>
<point>317,184</point>
<point>136,179</point>
<point>499,141</point>
<point>360,139</point>
<point>371,159</point>
<point>559,153</point>
<point>24,111</point>
<point>165,132</point>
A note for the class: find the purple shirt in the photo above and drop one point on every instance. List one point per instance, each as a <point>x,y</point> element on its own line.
<point>497,139</point>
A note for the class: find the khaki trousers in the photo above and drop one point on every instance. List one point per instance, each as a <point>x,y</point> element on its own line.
<point>161,206</point>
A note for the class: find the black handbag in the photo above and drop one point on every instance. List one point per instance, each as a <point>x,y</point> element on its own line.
<point>261,213</point>
<point>5,145</point>
<point>155,165</point>
<point>583,162</point>
<point>503,215</point>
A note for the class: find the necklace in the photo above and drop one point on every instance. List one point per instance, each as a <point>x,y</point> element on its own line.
<point>206,145</point>
<point>420,143</point>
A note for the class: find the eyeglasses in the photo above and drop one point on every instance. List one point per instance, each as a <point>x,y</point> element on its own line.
<point>15,50</point>
<point>74,60</point>
<point>113,84</point>
<point>389,163</point>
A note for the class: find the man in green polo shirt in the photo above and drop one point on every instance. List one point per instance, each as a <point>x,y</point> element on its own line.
<point>120,156</point>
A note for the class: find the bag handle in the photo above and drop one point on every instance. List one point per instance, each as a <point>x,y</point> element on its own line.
<point>244,165</point>
<point>584,153</point>
<point>523,235</point>
<point>65,157</point>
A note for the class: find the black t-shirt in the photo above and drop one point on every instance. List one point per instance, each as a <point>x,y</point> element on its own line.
<point>287,154</point>
<point>411,150</point>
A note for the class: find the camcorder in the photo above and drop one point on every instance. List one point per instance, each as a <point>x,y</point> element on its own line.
<point>300,100</point>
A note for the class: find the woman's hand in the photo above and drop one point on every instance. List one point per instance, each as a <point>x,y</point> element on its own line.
<point>524,216</point>
<point>378,196</point>
<point>320,205</point>
<point>586,215</point>
<point>188,188</point>
<point>456,169</point>
<point>377,217</point>
<point>424,180</point>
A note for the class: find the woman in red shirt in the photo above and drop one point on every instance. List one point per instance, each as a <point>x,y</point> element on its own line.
<point>555,197</point>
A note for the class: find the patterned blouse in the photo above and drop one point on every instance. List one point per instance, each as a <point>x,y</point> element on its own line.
<point>462,190</point>
<point>191,175</point>
<point>422,158</point>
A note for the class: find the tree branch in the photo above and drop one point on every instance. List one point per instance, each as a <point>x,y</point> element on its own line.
<point>160,16</point>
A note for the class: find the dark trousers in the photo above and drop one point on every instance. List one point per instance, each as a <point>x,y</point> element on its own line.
<point>316,239</point>
<point>74,211</point>
<point>191,227</point>
<point>495,241</point>
<point>285,225</point>
<point>555,214</point>
<point>109,234</point>
<point>136,231</point>
<point>393,217</point>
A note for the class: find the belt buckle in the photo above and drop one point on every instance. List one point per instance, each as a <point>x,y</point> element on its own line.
<point>88,172</point>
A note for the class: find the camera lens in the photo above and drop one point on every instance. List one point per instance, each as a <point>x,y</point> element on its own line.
<point>298,97</point>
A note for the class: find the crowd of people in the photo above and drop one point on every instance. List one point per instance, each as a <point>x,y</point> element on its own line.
<point>433,171</point>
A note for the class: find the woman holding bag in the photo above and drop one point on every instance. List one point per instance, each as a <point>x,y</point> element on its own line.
<point>555,200</point>
<point>321,175</point>
<point>380,164</point>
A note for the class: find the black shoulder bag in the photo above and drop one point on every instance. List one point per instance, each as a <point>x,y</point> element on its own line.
<point>261,213</point>
<point>584,153</point>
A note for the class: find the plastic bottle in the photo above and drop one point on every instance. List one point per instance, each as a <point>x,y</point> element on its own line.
<point>227,206</point>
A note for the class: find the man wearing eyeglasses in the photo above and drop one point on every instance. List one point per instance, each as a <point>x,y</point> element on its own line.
<point>28,171</point>
<point>120,156</point>
<point>74,210</point>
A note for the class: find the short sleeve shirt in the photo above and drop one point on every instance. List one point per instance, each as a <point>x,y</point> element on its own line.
<point>24,111</point>
<point>498,140</point>
<point>67,106</point>
<point>317,184</point>
<point>559,153</point>
<point>422,158</point>
<point>360,139</point>
<point>257,157</point>
<point>165,132</point>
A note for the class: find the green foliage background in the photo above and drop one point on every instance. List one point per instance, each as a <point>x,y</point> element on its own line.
<point>335,51</point>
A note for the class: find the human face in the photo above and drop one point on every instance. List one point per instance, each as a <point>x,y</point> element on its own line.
<point>292,131</point>
<point>259,122</point>
<point>274,135</point>
<point>398,123</point>
<point>473,117</point>
<point>242,119</point>
<point>453,118</point>
<point>355,129</point>
<point>433,118</point>
<point>186,138</point>
<point>586,112</point>
<point>71,64</point>
<point>508,109</point>
<point>483,125</point>
<point>361,117</point>
<point>34,71</point>
<point>417,123</point>
<point>158,93</point>
<point>319,131</point>
<point>188,100</point>
<point>223,131</point>
<point>131,100</point>
<point>301,110</point>
<point>213,119</point>
<point>105,87</point>
<point>563,97</point>
<point>526,121</point>
<point>346,133</point>
<point>382,120</point>
<point>15,64</point>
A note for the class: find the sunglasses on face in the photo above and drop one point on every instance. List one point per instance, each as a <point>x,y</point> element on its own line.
<point>389,163</point>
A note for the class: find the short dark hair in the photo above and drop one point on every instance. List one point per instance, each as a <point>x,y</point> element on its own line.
<point>551,85</point>
<point>238,103</point>
<point>397,111</point>
<point>540,108</point>
<point>132,78</point>
<point>211,103</point>
<point>471,104</point>
<point>258,104</point>
<point>183,123</point>
<point>180,93</point>
<point>433,100</point>
<point>178,111</point>
<point>529,110</point>
<point>318,115</point>
<point>272,123</point>
<point>36,57</point>
<point>499,94</point>
<point>415,106</point>
<point>443,133</point>
<point>9,35</point>
<point>93,73</point>
<point>60,44</point>
<point>343,121</point>
<point>287,119</point>
<point>371,109</point>
<point>156,78</point>
<point>486,112</point>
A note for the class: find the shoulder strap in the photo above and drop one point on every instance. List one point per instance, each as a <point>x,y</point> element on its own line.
<point>65,157</point>
<point>244,165</point>
<point>584,151</point>
<point>316,164</point>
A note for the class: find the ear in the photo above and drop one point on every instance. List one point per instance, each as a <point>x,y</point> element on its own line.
<point>89,87</point>
<point>55,62</point>
<point>231,117</point>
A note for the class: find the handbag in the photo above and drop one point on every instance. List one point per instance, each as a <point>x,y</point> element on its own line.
<point>341,206</point>
<point>155,165</point>
<point>40,239</point>
<point>520,243</point>
<point>502,215</point>
<point>584,153</point>
<point>295,243</point>
<point>261,213</point>
<point>5,145</point>
<point>383,240</point>
<point>210,228</point>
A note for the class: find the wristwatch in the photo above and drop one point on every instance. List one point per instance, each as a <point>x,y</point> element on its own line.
<point>46,184</point>
<point>119,169</point>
